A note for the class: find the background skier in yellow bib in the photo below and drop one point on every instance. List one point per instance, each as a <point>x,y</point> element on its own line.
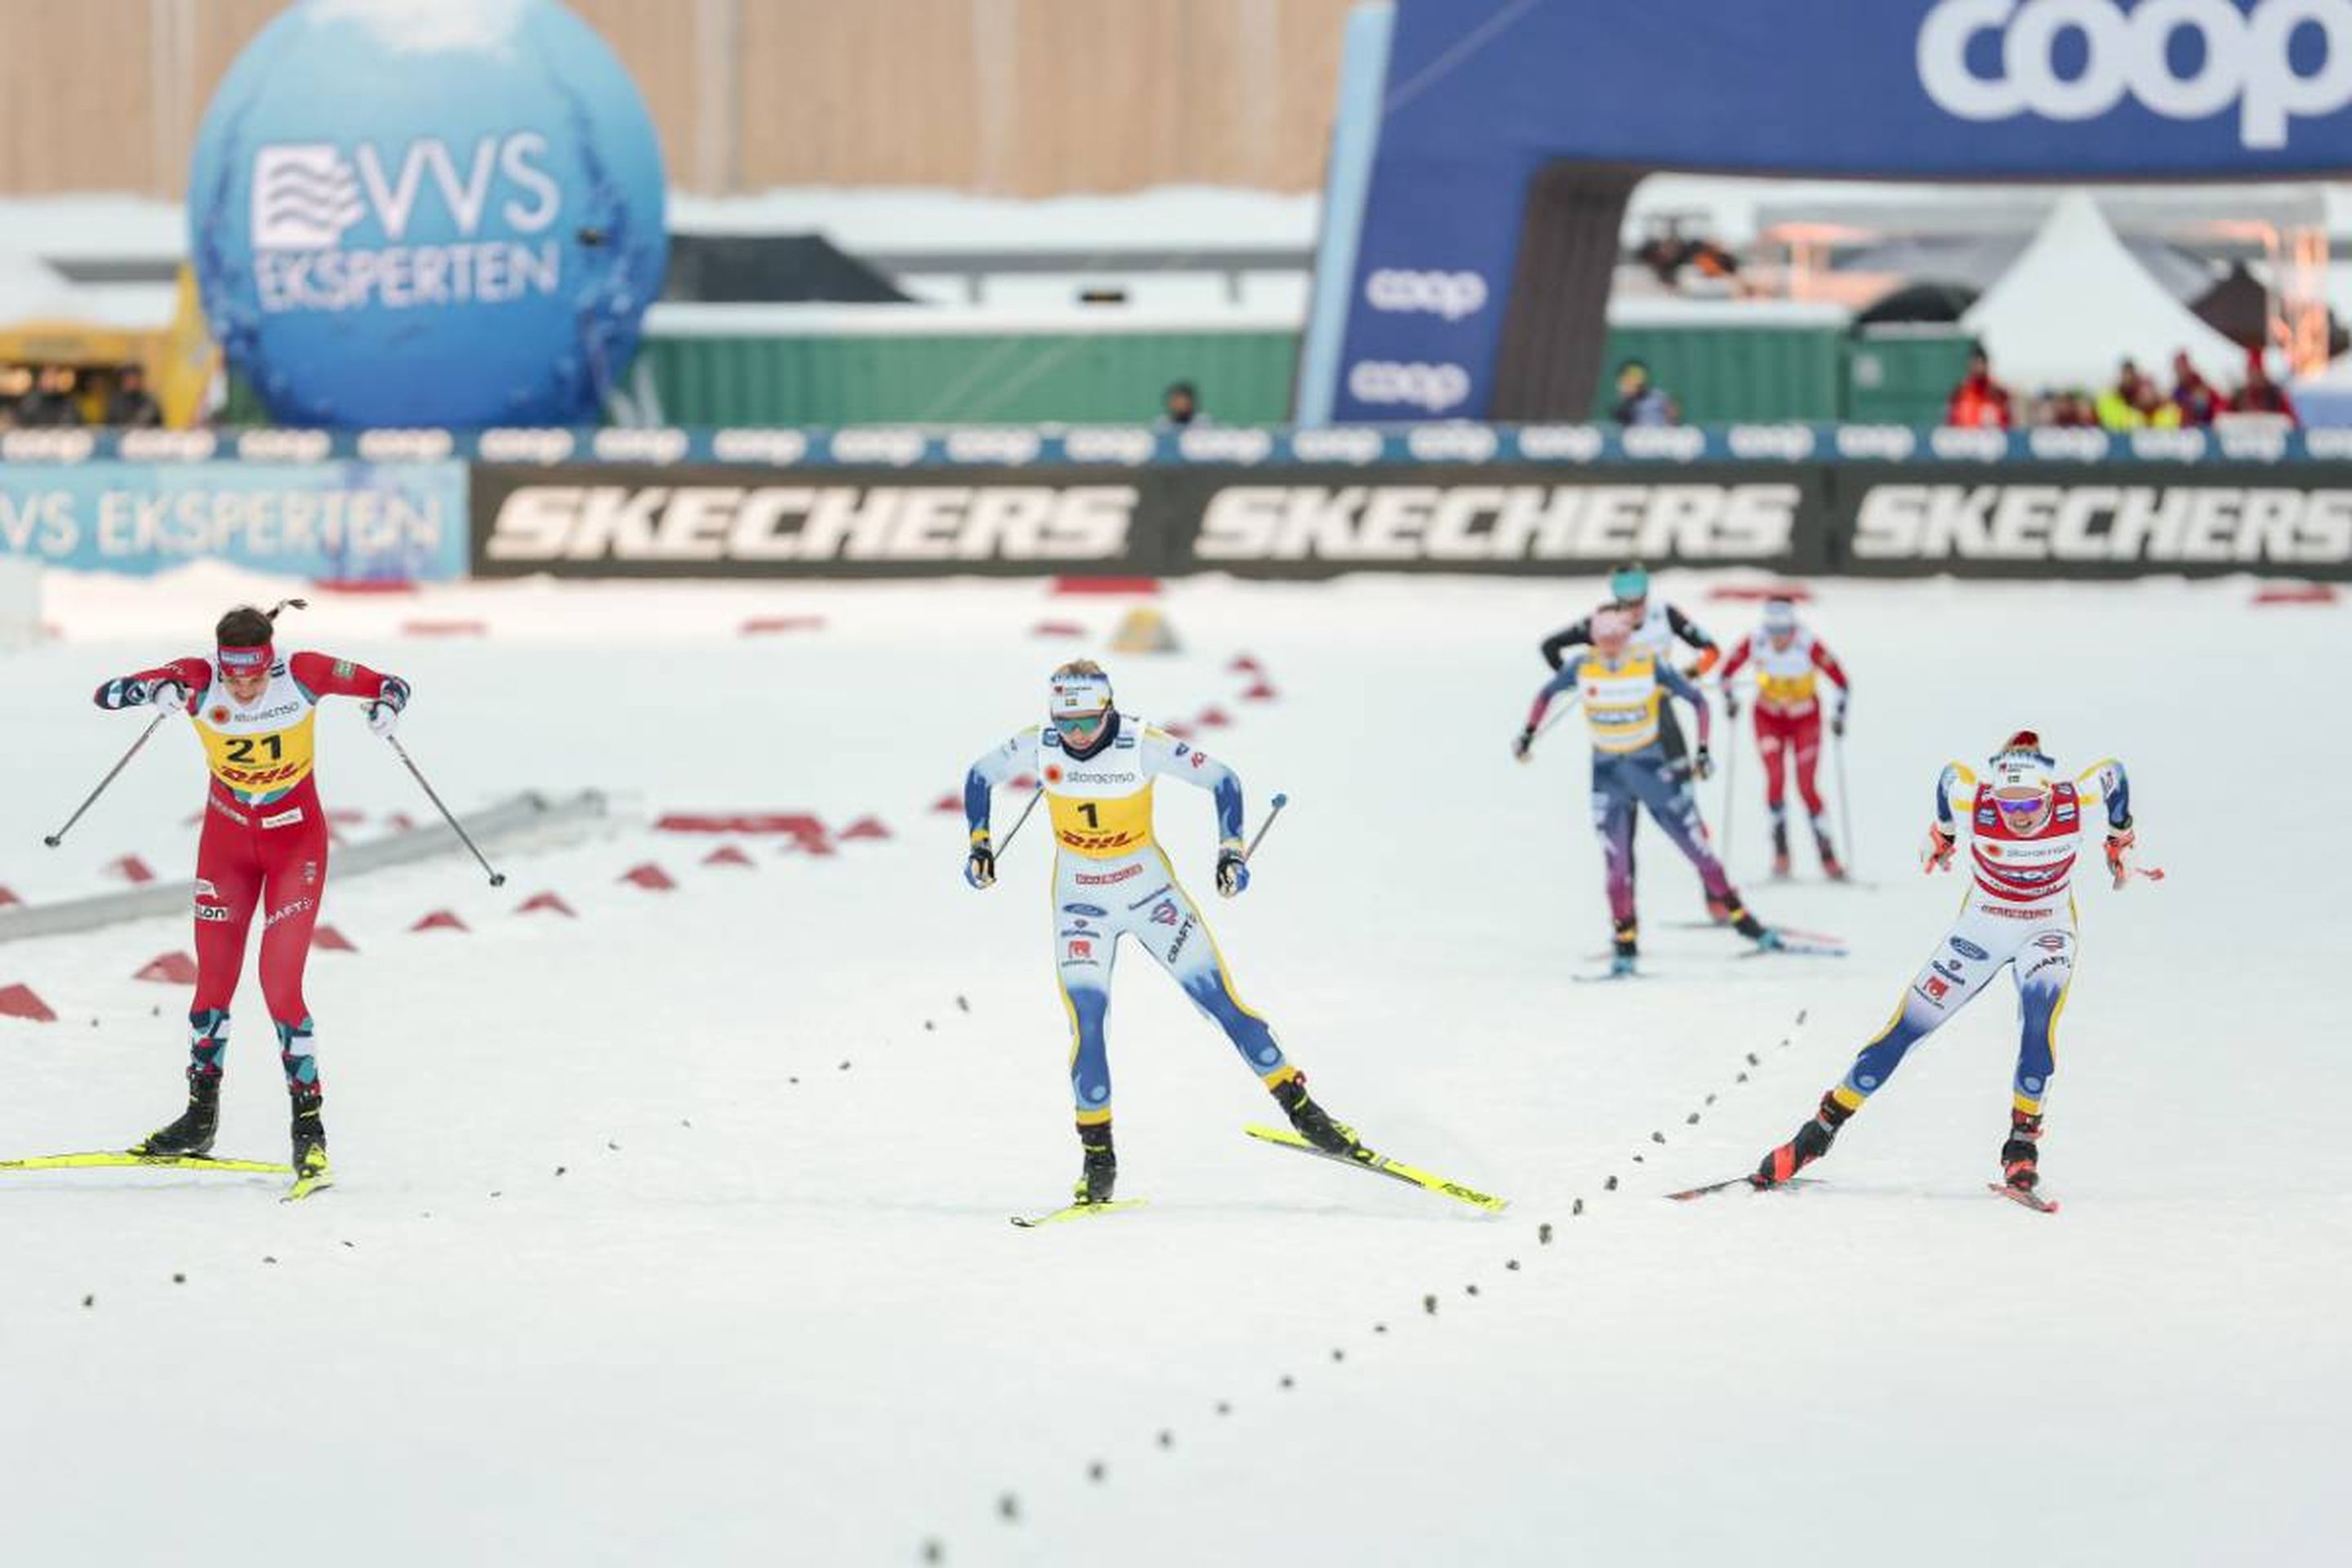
<point>1096,768</point>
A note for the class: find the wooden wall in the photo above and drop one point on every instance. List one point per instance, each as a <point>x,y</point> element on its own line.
<point>1021,97</point>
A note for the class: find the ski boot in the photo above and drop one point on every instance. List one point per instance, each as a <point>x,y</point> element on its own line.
<point>192,1134</point>
<point>1310,1120</point>
<point>1831,867</point>
<point>2020,1155</point>
<point>1780,851</point>
<point>1099,1175</point>
<point>309,1138</point>
<point>1625,949</point>
<point>1735,916</point>
<point>1813,1141</point>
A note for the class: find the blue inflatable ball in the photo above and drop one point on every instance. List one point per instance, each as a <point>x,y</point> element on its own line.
<point>428,212</point>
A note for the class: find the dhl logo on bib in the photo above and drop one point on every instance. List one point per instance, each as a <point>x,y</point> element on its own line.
<point>263,763</point>
<point>1102,828</point>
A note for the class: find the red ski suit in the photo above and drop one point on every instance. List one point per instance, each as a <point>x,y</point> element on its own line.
<point>1787,710</point>
<point>264,846</point>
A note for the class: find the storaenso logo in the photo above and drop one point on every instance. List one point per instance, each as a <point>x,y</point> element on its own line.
<point>1436,387</point>
<point>2240,59</point>
<point>689,523</point>
<point>2216,525</point>
<point>309,199</point>
<point>1452,295</point>
<point>1470,523</point>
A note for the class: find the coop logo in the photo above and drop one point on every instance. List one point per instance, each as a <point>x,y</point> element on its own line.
<point>333,233</point>
<point>1452,295</point>
<point>2170,525</point>
<point>1433,387</point>
<point>779,525</point>
<point>1467,524</point>
<point>2240,61</point>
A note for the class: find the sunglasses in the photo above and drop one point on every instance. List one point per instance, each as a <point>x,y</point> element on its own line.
<point>1079,726</point>
<point>2025,806</point>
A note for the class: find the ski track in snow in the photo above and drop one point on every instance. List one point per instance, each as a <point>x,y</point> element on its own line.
<point>677,1231</point>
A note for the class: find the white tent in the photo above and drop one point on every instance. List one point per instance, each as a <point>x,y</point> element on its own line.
<point>2076,303</point>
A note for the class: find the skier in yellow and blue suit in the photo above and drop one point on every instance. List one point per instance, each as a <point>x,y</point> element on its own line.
<point>1095,767</point>
<point>1623,689</point>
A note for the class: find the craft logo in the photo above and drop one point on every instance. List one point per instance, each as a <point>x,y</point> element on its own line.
<point>496,198</point>
<point>1475,523</point>
<point>2242,61</point>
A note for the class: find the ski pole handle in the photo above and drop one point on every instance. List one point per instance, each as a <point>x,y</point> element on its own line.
<point>1015,830</point>
<point>1280,800</point>
<point>54,840</point>
<point>497,879</point>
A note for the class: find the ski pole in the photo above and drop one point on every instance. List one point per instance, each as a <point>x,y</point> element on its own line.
<point>1017,821</point>
<point>497,879</point>
<point>1730,775</point>
<point>54,840</point>
<point>1556,715</point>
<point>1846,802</point>
<point>1280,800</point>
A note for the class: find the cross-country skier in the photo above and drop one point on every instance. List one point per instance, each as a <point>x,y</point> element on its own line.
<point>1623,689</point>
<point>263,848</point>
<point>1096,766</point>
<point>1657,627</point>
<point>2025,829</point>
<point>1789,660</point>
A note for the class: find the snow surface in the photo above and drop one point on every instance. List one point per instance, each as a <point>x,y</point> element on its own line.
<point>770,1310</point>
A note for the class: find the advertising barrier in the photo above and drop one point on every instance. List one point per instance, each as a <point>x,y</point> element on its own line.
<point>1129,502</point>
<point>348,521</point>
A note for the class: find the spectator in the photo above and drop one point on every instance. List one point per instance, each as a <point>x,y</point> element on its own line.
<point>2156,411</point>
<point>50,404</point>
<point>1979,401</point>
<point>1642,401</point>
<point>2118,405</point>
<point>130,407</point>
<point>1179,405</point>
<point>2196,397</point>
<point>2261,394</point>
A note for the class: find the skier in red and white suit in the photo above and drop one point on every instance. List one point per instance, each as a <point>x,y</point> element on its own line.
<point>1788,662</point>
<point>2026,826</point>
<point>263,848</point>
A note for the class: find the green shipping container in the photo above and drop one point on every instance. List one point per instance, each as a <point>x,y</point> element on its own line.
<point>1243,377</point>
<point>1904,377</point>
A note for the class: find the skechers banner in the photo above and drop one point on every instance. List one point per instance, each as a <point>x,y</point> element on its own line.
<point>428,212</point>
<point>350,522</point>
<point>628,521</point>
<point>1502,126</point>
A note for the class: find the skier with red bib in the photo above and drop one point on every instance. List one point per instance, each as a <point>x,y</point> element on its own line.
<point>263,850</point>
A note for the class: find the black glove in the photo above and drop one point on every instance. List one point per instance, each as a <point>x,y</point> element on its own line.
<point>980,866</point>
<point>1702,764</point>
<point>1521,743</point>
<point>1731,704</point>
<point>1837,724</point>
<point>1232,871</point>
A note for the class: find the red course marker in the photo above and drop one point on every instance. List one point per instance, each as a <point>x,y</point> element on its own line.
<point>327,939</point>
<point>728,855</point>
<point>172,968</point>
<point>440,920</point>
<point>649,876</point>
<point>18,1002</point>
<point>549,903</point>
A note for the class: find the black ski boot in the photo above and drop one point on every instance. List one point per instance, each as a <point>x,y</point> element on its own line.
<point>2021,1156</point>
<point>193,1132</point>
<point>1310,1120</point>
<point>1780,849</point>
<point>1100,1173</point>
<point>1813,1141</point>
<point>309,1137</point>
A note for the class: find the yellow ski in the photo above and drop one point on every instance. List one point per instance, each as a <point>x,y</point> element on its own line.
<point>1364,1159</point>
<point>1076,1211</point>
<point>108,1159</point>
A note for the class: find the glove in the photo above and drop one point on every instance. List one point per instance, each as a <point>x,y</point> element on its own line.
<point>383,713</point>
<point>1233,870</point>
<point>1939,854</point>
<point>167,697</point>
<point>980,866</point>
<point>1837,724</point>
<point>1702,763</point>
<point>1731,704</point>
<point>2119,843</point>
<point>1522,743</point>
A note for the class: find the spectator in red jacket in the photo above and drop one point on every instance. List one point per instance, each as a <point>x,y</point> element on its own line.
<point>1978,402</point>
<point>2197,398</point>
<point>2261,394</point>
